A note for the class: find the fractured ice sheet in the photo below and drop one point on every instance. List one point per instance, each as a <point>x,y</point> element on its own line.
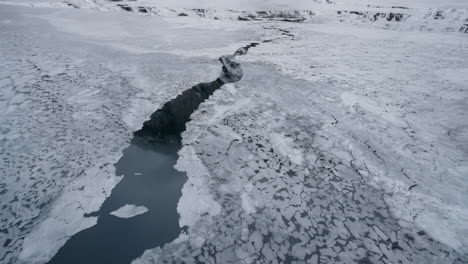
<point>69,107</point>
<point>282,169</point>
<point>398,132</point>
<point>129,210</point>
<point>275,210</point>
<point>351,129</point>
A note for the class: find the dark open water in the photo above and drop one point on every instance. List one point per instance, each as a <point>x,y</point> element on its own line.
<point>149,180</point>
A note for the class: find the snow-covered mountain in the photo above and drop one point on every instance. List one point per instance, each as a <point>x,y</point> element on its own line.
<point>389,15</point>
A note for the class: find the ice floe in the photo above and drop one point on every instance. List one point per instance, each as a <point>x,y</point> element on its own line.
<point>129,210</point>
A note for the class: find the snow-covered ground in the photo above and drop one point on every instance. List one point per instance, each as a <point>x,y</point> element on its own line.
<point>346,141</point>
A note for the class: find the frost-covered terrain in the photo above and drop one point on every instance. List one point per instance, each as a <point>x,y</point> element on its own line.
<point>345,141</point>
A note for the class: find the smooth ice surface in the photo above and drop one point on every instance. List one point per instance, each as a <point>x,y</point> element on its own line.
<point>129,210</point>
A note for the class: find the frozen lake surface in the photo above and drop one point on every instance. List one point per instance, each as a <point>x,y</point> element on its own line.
<point>345,141</point>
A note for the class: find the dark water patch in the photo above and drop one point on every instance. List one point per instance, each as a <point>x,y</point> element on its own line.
<point>245,49</point>
<point>464,28</point>
<point>142,9</point>
<point>125,7</point>
<point>73,5</point>
<point>170,120</point>
<point>149,180</point>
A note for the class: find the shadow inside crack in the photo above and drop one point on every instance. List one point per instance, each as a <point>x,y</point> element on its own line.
<point>150,180</point>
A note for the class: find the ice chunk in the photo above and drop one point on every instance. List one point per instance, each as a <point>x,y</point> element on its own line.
<point>129,210</point>
<point>195,189</point>
<point>247,203</point>
<point>232,71</point>
<point>42,244</point>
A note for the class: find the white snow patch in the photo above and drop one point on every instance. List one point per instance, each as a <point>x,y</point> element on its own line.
<point>221,111</point>
<point>351,100</point>
<point>444,222</point>
<point>196,198</point>
<point>458,76</point>
<point>133,117</point>
<point>247,204</point>
<point>444,230</point>
<point>286,147</point>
